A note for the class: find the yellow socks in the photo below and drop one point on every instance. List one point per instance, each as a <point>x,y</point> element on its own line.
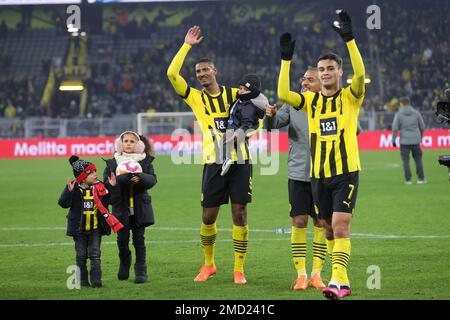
<point>341,256</point>
<point>319,250</point>
<point>330,247</point>
<point>298,245</point>
<point>208,234</point>
<point>240,240</point>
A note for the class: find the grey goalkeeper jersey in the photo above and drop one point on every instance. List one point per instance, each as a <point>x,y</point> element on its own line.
<point>298,133</point>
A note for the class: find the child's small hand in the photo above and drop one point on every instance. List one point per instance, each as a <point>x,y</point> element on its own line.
<point>135,179</point>
<point>112,179</point>
<point>271,110</point>
<point>70,184</point>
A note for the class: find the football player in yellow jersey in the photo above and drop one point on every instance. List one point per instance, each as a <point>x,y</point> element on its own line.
<point>333,121</point>
<point>299,185</point>
<point>211,107</point>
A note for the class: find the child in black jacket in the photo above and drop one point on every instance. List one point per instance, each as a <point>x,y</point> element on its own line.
<point>133,206</point>
<point>244,115</point>
<point>87,199</point>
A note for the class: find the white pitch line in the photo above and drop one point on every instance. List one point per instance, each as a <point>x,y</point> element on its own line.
<point>368,235</point>
<point>152,228</point>
<point>32,228</point>
<point>354,236</point>
<point>57,244</point>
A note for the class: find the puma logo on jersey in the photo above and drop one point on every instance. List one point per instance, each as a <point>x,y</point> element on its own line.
<point>348,204</point>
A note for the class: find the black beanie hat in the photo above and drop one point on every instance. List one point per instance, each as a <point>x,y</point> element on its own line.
<point>252,83</point>
<point>81,168</point>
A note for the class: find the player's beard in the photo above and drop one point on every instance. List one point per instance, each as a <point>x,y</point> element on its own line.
<point>206,83</point>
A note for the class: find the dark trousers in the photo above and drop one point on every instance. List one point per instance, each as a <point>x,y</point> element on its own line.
<point>123,239</point>
<point>405,150</point>
<point>87,245</point>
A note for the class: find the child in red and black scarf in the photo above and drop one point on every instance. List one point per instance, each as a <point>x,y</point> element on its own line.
<point>88,218</point>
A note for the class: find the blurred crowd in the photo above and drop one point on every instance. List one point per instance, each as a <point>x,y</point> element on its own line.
<point>415,55</point>
<point>409,55</point>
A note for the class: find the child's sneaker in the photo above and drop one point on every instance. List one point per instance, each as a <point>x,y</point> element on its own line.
<point>226,166</point>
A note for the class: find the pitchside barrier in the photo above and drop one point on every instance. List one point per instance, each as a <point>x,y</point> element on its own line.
<point>182,141</point>
<point>153,124</point>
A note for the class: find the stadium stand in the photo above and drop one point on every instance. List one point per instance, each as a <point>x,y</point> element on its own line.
<point>125,64</point>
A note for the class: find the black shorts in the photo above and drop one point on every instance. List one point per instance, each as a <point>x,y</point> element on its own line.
<point>335,194</point>
<point>236,185</point>
<point>300,199</point>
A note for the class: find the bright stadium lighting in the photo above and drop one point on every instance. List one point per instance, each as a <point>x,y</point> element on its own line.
<point>71,86</point>
<point>71,28</point>
<point>366,80</point>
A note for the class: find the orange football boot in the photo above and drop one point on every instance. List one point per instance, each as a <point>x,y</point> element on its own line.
<point>302,283</point>
<point>205,273</point>
<point>316,281</point>
<point>239,278</point>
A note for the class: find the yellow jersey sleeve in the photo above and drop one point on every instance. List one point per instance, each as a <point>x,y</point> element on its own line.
<point>357,86</point>
<point>297,100</point>
<point>173,72</point>
<point>350,99</point>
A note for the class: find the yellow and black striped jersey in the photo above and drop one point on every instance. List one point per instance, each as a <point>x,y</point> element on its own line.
<point>211,111</point>
<point>333,122</point>
<point>89,218</point>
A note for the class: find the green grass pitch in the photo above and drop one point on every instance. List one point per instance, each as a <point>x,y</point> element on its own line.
<point>402,229</point>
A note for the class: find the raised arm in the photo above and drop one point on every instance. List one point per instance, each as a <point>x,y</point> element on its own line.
<point>287,46</point>
<point>344,28</point>
<point>173,72</point>
<point>359,71</point>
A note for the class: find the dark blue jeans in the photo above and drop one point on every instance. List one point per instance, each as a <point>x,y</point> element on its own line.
<point>87,245</point>
<point>405,150</point>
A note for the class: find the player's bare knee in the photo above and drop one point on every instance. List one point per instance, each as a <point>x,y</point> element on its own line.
<point>239,213</point>
<point>300,221</point>
<point>327,228</point>
<point>341,231</point>
<point>209,215</point>
<point>318,223</point>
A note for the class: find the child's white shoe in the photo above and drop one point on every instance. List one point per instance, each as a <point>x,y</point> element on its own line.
<point>226,166</point>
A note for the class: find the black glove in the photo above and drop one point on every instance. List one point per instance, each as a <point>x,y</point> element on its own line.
<point>286,46</point>
<point>344,26</point>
